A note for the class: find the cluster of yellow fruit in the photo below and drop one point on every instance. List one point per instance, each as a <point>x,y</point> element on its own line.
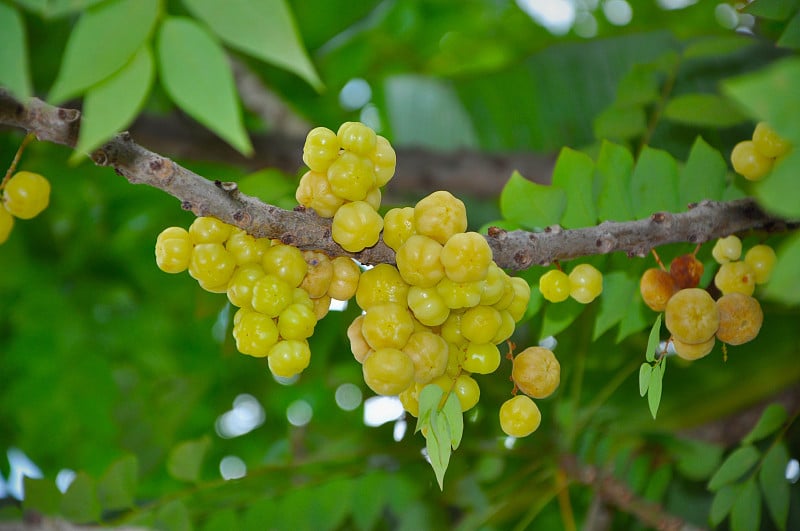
<point>25,195</point>
<point>584,284</point>
<point>753,159</point>
<point>280,291</point>
<point>693,317</point>
<point>537,373</point>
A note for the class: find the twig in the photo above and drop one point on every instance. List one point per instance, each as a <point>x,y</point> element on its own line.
<point>304,229</point>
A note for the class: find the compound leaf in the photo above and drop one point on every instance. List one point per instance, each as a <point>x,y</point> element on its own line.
<point>117,488</point>
<point>614,167</point>
<point>531,205</point>
<point>704,174</point>
<point>654,183</point>
<point>573,173</point>
<point>644,378</point>
<point>653,340</point>
<point>185,459</point>
<point>746,512</point>
<point>703,110</point>
<point>774,486</point>
<point>771,419</point>
<point>14,71</point>
<point>734,466</point>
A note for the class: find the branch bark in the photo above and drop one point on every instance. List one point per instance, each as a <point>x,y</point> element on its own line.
<point>304,229</point>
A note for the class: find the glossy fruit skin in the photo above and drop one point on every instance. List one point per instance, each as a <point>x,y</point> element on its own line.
<point>686,269</point>
<point>459,294</point>
<point>440,215</point>
<point>351,176</point>
<point>212,266</point>
<point>388,371</point>
<point>357,138</point>
<point>387,325</point>
<point>555,286</point>
<point>358,345</point>
<point>748,162</point>
<point>26,194</point>
<point>381,284</point>
<point>657,287</point>
<point>245,248</point>
<point>467,391</point>
<point>7,224</point>
<point>466,257</point>
<point>173,249</point>
<point>296,321</point>
<point>519,416</point>
<point>285,262</point>
<point>318,277</point>
<point>586,283</point>
<point>481,358</point>
<point>740,318</point>
<point>255,333</point>
<point>271,295</point>
<point>429,353</point>
<point>384,160</point>
<point>428,307</point>
<point>735,277</point>
<point>314,191</point>
<point>522,296</point>
<point>398,226</point>
<point>418,261</point>
<point>691,352</point>
<point>493,286</point>
<point>768,142</point>
<point>761,259</point>
<point>205,229</point>
<point>691,316</point>
<point>321,149</point>
<point>536,372</point>
<point>344,278</point>
<point>356,226</point>
<point>289,357</point>
<point>727,249</point>
<point>240,286</point>
<point>480,324</point>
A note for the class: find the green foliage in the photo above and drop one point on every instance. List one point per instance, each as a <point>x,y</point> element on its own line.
<point>443,424</point>
<point>185,460</point>
<point>531,205</point>
<point>14,73</point>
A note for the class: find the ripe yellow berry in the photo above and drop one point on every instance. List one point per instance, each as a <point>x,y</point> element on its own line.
<point>451,329</point>
<point>398,226</point>
<point>240,287</point>
<point>212,266</point>
<point>459,294</point>
<point>691,316</point>
<point>440,215</point>
<point>727,249</point>
<point>506,327</point>
<point>373,197</point>
<point>761,259</point>
<point>735,277</point>
<point>357,138</point>
<point>410,400</point>
<point>519,416</point>
<point>657,287</point>
<point>387,325</point>
<point>344,278</point>
<point>536,372</point>
<point>26,194</point>
<point>322,306</point>
<point>351,176</point>
<point>314,191</point>
<point>289,357</point>
<point>381,284</point>
<point>418,261</point>
<point>586,283</point>
<point>691,352</point>
<point>388,371</point>
<point>7,223</point>
<point>768,142</point>
<point>356,226</point>
<point>319,275</point>
<point>285,262</point>
<point>466,257</point>
<point>740,318</point>
<point>493,286</point>
<point>271,295</point>
<point>428,306</point>
<point>296,321</point>
<point>321,149</point>
<point>429,353</point>
<point>358,345</point>
<point>481,358</point>
<point>522,296</point>
<point>255,333</point>
<point>206,229</point>
<point>481,323</point>
<point>467,391</point>
<point>245,248</point>
<point>173,249</point>
<point>554,285</point>
<point>748,162</point>
<point>384,159</point>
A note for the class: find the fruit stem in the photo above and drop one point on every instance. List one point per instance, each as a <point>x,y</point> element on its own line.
<point>658,259</point>
<point>13,167</point>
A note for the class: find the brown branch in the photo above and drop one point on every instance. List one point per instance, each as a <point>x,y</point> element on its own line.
<point>304,229</point>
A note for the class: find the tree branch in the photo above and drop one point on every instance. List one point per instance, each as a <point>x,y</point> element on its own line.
<point>304,229</point>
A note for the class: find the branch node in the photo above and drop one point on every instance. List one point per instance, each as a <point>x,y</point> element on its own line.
<point>68,115</point>
<point>161,167</point>
<point>229,187</point>
<point>125,136</point>
<point>186,205</point>
<point>242,218</point>
<point>496,232</point>
<point>553,229</point>
<point>100,157</point>
<point>659,217</point>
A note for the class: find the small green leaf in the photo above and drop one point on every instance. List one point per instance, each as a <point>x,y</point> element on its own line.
<point>264,29</point>
<point>696,460</point>
<point>197,76</point>
<point>174,516</point>
<point>429,399</point>
<point>639,86</point>
<point>654,183</point>
<point>735,466</point>
<point>89,58</point>
<point>455,419</point>
<point>771,9</point>
<point>718,45</point>
<point>531,205</point>
<point>703,110</point>
<point>222,520</point>
<point>573,173</point>
<point>614,169</point>
<point>658,483</point>
<point>655,387</point>
<point>774,485</point>
<point>644,378</point>
<point>783,285</point>
<point>14,70</point>
<point>558,317</point>
<point>771,419</point>
<point>703,176</point>
<point>746,512</point>
<point>369,495</point>
<point>653,340</point>
<point>111,105</point>
<point>618,289</point>
<point>790,38</point>
<point>438,445</point>
<point>41,495</point>
<point>185,460</point>
<point>334,502</point>
<point>79,503</point>
<point>722,503</point>
<point>117,488</point>
<point>620,123</point>
<point>777,193</point>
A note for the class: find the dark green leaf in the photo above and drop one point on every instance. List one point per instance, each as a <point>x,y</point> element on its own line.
<point>703,110</point>
<point>774,485</point>
<point>14,72</point>
<point>111,105</point>
<point>703,176</point>
<point>717,45</point>
<point>644,378</point>
<point>455,419</point>
<point>334,502</point>
<point>531,205</point>
<point>558,317</point>
<point>783,285</point>
<point>429,399</point>
<point>614,168</point>
<point>186,459</point>
<point>655,387</point>
<point>654,183</point>
<point>41,495</point>
<point>746,512</point>
<point>658,483</point>
<point>174,516</point>
<point>778,193</point>
<point>125,23</point>
<point>196,74</point>
<point>264,29</point>
<point>639,86</point>
<point>56,8</point>
<point>369,495</point>
<point>618,290</point>
<point>620,123</point>
<point>573,173</point>
<point>639,473</point>
<point>223,520</point>
<point>735,466</point>
<point>653,340</point>
<point>264,509</point>
<point>722,503</point>
<point>636,319</point>
<point>696,460</point>
<point>117,488</point>
<point>771,9</point>
<point>790,38</point>
<point>79,503</point>
<point>771,419</point>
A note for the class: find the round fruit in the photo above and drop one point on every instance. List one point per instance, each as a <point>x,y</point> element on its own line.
<point>289,357</point>
<point>26,194</point>
<point>459,294</point>
<point>427,305</point>
<point>686,270</point>
<point>748,162</point>
<point>245,248</point>
<point>522,296</point>
<point>357,137</point>
<point>740,318</point>
<point>358,345</point>
<point>319,275</point>
<point>410,400</point>
<point>314,191</point>
<point>467,391</point>
<point>768,142</point>
<point>344,278</point>
<point>381,284</point>
<point>657,287</point>
<point>761,259</point>
<point>297,321</point>
<point>480,324</point>
<point>429,353</point>
<point>466,257</point>
<point>271,295</point>
<point>255,333</point>
<point>321,149</point>
<point>493,286</point>
<point>356,226</point>
<point>418,261</point>
<point>173,248</point>
<point>388,371</point>
<point>691,316</point>
<point>7,223</point>
<point>384,159</point>
<point>211,265</point>
<point>481,358</point>
<point>398,226</point>
<point>206,229</point>
<point>586,283</point>
<point>536,372</point>
<point>554,285</point>
<point>519,416</point>
<point>735,277</point>
<point>440,215</point>
<point>693,352</point>
<point>240,287</point>
<point>351,176</point>
<point>285,262</point>
<point>727,249</point>
<point>387,325</point>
